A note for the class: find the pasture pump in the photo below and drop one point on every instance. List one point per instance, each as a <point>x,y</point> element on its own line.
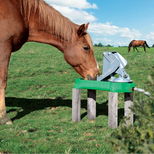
<point>114,63</point>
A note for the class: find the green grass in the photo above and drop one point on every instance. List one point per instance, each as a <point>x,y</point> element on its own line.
<point>39,102</point>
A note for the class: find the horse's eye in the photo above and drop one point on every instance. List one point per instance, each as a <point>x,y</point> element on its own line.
<point>86,48</point>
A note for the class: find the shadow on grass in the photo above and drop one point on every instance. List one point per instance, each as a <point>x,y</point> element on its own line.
<point>30,105</point>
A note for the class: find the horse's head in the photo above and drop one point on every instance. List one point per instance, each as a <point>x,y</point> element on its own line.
<point>79,54</point>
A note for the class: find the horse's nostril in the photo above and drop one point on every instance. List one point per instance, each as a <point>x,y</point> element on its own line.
<point>90,77</point>
<point>99,73</point>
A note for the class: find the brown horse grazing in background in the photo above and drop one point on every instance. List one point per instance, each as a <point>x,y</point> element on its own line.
<point>34,20</point>
<point>138,43</point>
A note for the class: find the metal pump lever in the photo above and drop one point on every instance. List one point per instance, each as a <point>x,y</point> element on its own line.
<point>114,63</point>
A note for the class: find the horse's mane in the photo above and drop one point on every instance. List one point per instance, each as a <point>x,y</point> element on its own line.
<point>49,19</point>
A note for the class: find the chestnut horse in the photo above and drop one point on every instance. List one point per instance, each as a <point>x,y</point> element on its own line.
<point>34,20</point>
<point>138,43</point>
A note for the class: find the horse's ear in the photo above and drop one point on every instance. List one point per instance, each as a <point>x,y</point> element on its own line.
<point>87,25</point>
<point>82,30</point>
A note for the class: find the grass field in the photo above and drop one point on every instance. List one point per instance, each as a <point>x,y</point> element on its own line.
<point>39,102</point>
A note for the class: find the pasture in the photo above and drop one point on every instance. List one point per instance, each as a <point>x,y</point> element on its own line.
<point>39,102</point>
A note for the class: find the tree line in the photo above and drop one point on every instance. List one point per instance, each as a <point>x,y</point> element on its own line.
<point>108,45</point>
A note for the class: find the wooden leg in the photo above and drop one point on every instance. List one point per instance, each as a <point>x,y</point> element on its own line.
<point>91,104</point>
<point>112,110</point>
<point>76,105</point>
<point>128,105</point>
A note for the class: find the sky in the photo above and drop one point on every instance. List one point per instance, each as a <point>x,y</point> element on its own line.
<point>114,22</point>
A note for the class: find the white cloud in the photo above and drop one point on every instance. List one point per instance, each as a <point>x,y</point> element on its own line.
<point>129,33</point>
<point>79,4</point>
<point>77,16</point>
<point>150,38</point>
<point>105,41</point>
<point>74,9</point>
<point>109,29</point>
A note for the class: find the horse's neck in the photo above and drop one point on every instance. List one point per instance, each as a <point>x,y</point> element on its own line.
<point>42,31</point>
<point>36,35</point>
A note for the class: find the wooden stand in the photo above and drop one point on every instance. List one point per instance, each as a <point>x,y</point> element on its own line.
<point>112,107</point>
<point>91,104</point>
<point>112,110</point>
<point>76,104</point>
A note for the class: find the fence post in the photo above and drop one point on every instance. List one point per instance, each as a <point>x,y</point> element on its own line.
<point>128,97</point>
<point>76,104</point>
<point>91,104</point>
<point>112,109</point>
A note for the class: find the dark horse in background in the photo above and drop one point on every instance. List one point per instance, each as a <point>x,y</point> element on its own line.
<point>138,43</point>
<point>34,20</point>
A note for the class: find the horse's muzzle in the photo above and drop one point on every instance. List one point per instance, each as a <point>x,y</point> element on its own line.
<point>88,77</point>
